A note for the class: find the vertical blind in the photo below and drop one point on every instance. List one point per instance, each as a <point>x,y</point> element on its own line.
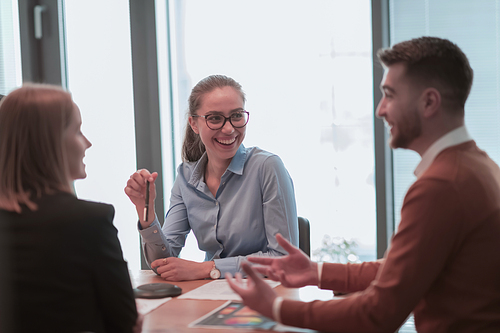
<point>475,27</point>
<point>10,55</point>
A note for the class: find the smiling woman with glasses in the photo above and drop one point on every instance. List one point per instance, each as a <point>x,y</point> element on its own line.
<point>65,261</point>
<point>235,199</point>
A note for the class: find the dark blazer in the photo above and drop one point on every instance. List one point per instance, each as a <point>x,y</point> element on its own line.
<point>67,268</point>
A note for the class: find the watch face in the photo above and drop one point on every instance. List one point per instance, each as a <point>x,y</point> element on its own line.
<point>215,274</point>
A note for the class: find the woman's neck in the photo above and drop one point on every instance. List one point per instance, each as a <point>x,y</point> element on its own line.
<point>213,174</point>
<point>215,169</point>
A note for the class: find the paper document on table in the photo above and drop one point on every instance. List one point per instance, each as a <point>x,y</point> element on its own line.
<point>218,290</point>
<point>145,306</point>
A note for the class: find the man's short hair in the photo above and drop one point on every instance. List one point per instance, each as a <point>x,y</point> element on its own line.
<point>434,62</point>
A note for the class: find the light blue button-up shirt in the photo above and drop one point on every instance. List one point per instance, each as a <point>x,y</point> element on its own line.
<point>255,201</point>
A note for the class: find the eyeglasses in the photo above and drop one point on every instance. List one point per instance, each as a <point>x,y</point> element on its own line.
<point>217,121</point>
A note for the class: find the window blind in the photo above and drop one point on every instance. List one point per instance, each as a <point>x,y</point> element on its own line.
<point>10,55</point>
<point>475,27</point>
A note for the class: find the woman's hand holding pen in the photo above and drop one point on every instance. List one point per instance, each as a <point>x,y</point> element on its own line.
<point>136,190</point>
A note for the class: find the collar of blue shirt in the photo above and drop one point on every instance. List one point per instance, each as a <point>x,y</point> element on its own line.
<point>236,166</point>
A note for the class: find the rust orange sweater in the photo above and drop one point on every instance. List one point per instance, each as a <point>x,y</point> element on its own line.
<point>443,263</point>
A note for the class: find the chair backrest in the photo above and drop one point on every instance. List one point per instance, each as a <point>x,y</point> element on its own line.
<point>304,235</point>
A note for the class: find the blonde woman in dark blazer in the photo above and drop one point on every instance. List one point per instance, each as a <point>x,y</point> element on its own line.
<point>67,269</point>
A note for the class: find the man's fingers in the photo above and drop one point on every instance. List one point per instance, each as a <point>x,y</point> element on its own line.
<point>261,260</point>
<point>265,270</point>
<point>261,269</point>
<point>286,244</point>
<point>282,278</point>
<point>233,284</point>
<point>251,273</point>
<point>273,276</point>
<point>239,277</point>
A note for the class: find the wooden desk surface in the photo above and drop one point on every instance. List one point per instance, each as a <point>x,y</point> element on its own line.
<point>176,314</point>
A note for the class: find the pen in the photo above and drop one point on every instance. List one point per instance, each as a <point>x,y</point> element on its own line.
<point>146,206</point>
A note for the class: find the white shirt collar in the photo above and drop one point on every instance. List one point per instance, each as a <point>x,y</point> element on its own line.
<point>453,138</point>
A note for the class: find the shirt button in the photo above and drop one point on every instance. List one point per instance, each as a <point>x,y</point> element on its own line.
<point>216,203</point>
<point>163,248</point>
<point>155,232</point>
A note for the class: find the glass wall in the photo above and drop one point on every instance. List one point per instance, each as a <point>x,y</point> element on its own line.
<point>475,28</point>
<point>100,79</point>
<point>10,50</point>
<point>306,68</point>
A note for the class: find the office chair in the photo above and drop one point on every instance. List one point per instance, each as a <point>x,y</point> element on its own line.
<point>304,235</point>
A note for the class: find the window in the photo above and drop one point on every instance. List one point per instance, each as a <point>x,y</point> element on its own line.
<point>306,70</point>
<point>10,52</point>
<point>100,79</point>
<point>481,43</point>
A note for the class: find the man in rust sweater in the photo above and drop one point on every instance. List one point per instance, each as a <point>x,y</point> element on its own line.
<point>443,264</point>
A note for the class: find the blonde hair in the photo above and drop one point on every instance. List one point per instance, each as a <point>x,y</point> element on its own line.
<point>33,160</point>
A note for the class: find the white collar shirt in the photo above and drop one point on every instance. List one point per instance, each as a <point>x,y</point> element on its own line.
<point>453,138</point>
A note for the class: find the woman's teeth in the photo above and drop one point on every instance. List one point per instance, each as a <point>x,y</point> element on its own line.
<point>226,142</point>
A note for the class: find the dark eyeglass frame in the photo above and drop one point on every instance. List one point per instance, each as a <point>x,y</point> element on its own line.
<point>225,119</point>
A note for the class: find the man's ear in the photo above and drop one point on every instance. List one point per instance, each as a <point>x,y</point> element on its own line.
<point>431,100</point>
<point>193,124</point>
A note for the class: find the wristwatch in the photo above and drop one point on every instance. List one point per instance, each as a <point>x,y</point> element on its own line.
<point>214,273</point>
